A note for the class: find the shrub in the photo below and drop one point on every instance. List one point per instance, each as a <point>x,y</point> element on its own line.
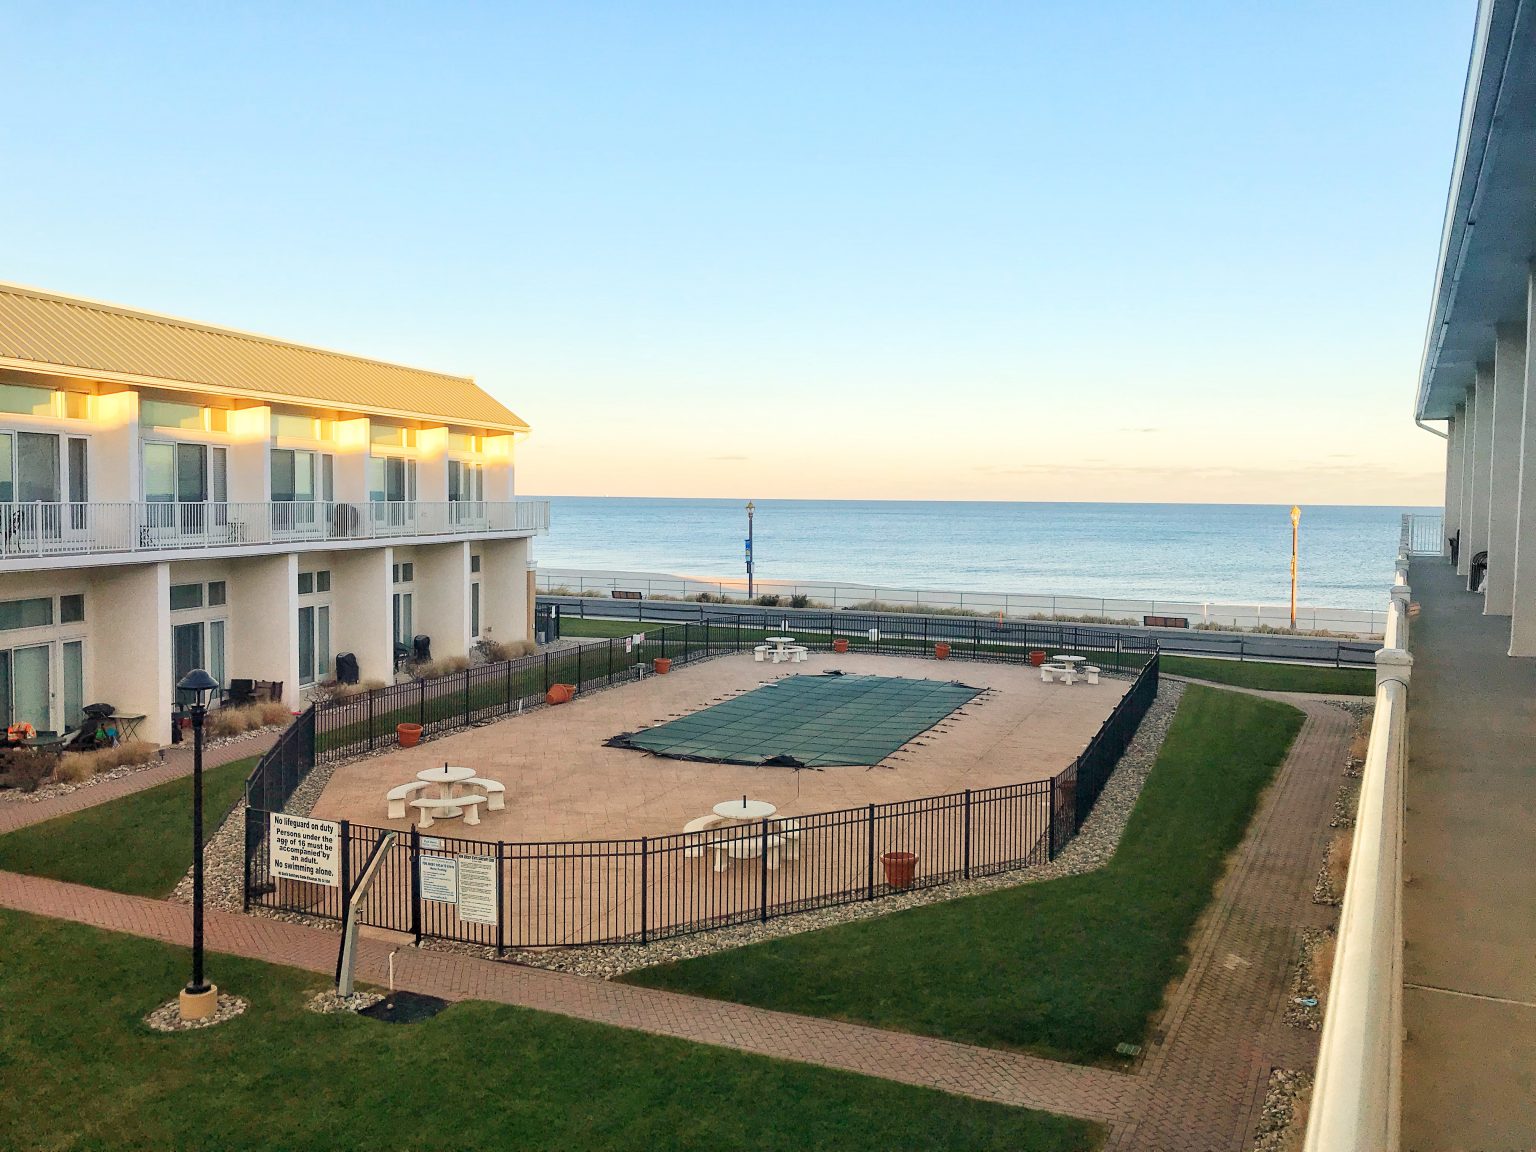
<point>799,600</point>
<point>24,770</point>
<point>769,601</point>
<point>273,712</point>
<point>223,722</point>
<point>443,666</point>
<point>497,650</point>
<point>79,765</point>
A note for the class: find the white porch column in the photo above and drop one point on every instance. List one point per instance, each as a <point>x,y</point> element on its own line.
<point>1454,449</point>
<point>130,639</point>
<point>1504,467</point>
<point>442,597</point>
<point>264,621</point>
<point>362,610</point>
<point>1476,539</point>
<point>1522,624</point>
<point>1468,481</point>
<point>504,589</point>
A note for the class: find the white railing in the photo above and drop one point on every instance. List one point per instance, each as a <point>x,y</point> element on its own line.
<point>43,529</point>
<point>1423,534</point>
<point>1357,1100</point>
<point>834,594</point>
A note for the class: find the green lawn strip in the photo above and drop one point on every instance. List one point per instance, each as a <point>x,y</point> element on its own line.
<point>82,1072</point>
<point>139,844</point>
<point>1067,968</point>
<point>1274,677</point>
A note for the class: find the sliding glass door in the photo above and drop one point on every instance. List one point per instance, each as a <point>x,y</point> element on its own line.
<point>31,689</point>
<point>185,487</point>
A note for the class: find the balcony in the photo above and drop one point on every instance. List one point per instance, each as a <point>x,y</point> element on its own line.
<point>39,530</point>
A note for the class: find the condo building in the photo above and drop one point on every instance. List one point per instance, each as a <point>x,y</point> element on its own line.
<point>175,495</point>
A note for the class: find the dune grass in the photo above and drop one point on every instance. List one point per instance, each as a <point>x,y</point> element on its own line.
<point>140,844</point>
<point>1274,677</point>
<point>1066,968</point>
<point>83,1073</point>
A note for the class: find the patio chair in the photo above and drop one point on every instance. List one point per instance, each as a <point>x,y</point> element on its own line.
<point>241,692</point>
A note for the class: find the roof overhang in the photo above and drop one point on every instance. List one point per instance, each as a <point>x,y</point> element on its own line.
<point>1489,236</point>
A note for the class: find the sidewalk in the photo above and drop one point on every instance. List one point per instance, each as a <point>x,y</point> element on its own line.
<point>178,763</point>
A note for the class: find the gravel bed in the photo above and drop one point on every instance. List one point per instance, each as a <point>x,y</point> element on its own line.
<point>223,866</point>
<point>1298,1013</point>
<point>167,1017</point>
<point>1287,1089</point>
<point>331,1002</point>
<point>1345,804</point>
<point>1326,890</point>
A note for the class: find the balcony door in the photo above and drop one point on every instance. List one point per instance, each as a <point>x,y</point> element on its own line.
<point>39,472</point>
<point>302,488</point>
<point>466,493</point>
<point>185,489</point>
<point>392,491</point>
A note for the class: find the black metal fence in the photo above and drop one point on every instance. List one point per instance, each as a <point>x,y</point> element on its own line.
<point>647,888</point>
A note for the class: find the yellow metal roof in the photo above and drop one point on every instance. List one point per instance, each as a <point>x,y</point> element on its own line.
<point>50,332</point>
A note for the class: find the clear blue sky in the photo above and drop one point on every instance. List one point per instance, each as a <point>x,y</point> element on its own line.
<point>1007,251</point>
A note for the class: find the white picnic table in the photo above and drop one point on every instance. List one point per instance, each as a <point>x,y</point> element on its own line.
<point>744,809</point>
<point>780,642</point>
<point>447,776</point>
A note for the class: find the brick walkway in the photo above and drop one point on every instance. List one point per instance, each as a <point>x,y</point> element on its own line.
<point>1206,1071</point>
<point>1202,1081</point>
<point>178,763</point>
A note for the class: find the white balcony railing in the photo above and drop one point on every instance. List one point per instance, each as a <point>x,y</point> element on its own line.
<point>1357,1100</point>
<point>44,529</point>
<point>1423,534</point>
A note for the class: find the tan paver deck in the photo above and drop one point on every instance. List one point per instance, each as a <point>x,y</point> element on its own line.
<point>563,783</point>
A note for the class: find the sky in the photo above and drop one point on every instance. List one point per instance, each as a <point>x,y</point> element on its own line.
<point>1015,251</point>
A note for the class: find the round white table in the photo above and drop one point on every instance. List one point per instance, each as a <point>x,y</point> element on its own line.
<point>447,776</point>
<point>748,810</point>
<point>1069,659</point>
<point>779,641</point>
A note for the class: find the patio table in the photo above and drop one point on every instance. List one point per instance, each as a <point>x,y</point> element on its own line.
<point>779,642</point>
<point>447,776</point>
<point>745,809</point>
<point>1071,664</point>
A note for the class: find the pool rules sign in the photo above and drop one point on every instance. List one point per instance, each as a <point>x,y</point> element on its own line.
<point>305,849</point>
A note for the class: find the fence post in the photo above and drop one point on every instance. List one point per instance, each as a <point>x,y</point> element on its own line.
<point>421,707</point>
<point>610,661</point>
<point>501,910</point>
<point>870,887</point>
<point>507,667</point>
<point>966,837</point>
<point>645,859</point>
<point>738,632</point>
<point>415,864</point>
<point>546,672</point>
<point>245,885</point>
<point>346,869</point>
<point>370,720</point>
<point>1050,826</point>
<point>764,871</point>
<point>466,698</point>
<point>579,648</point>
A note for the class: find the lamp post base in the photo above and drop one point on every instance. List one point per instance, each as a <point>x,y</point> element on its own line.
<point>199,1005</point>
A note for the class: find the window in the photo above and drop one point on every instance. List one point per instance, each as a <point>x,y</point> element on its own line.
<point>314,643</point>
<point>391,435</point>
<point>474,609</point>
<point>474,563</point>
<point>301,477</point>
<point>34,613</point>
<point>169,414</point>
<point>465,443</point>
<point>25,400</point>
<point>323,580</point>
<point>217,593</point>
<point>407,573</point>
<point>306,583</point>
<point>71,609</point>
<point>391,479</point>
<point>298,427</point>
<point>465,481</point>
<point>185,596</point>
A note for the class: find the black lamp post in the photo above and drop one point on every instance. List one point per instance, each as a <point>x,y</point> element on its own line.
<point>198,998</point>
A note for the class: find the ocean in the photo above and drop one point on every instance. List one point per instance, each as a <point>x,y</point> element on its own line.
<point>1231,553</point>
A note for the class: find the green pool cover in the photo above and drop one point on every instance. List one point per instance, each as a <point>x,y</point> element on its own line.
<point>809,721</point>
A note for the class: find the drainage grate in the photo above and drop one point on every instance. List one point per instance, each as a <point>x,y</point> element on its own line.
<point>1128,1049</point>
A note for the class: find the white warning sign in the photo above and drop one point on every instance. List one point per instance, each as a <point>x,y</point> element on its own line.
<point>439,879</point>
<point>305,849</point>
<point>477,889</point>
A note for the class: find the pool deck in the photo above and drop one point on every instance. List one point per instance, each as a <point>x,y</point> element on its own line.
<point>564,783</point>
<point>1469,904</point>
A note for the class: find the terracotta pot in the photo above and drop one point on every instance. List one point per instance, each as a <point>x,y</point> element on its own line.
<point>663,665</point>
<point>1037,658</point>
<point>409,735</point>
<point>559,693</point>
<point>840,644</point>
<point>900,868</point>
<point>941,651</point>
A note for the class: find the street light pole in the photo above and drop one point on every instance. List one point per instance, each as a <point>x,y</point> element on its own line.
<point>750,510</point>
<point>1295,525</point>
<point>198,999</point>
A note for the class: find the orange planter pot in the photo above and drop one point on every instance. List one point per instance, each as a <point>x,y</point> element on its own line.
<point>840,644</point>
<point>409,735</point>
<point>941,651</point>
<point>663,665</point>
<point>559,693</point>
<point>900,869</point>
<point>1037,658</point>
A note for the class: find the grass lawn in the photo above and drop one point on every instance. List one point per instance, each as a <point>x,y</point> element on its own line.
<point>82,1072</point>
<point>140,844</point>
<point>1067,968</point>
<point>1275,677</point>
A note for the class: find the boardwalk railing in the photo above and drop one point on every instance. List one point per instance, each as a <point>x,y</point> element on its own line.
<point>646,888</point>
<point>1357,1100</point>
<point>1423,534</point>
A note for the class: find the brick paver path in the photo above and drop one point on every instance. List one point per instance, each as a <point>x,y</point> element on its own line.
<point>178,763</point>
<point>1202,1081</point>
<point>1207,1068</point>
